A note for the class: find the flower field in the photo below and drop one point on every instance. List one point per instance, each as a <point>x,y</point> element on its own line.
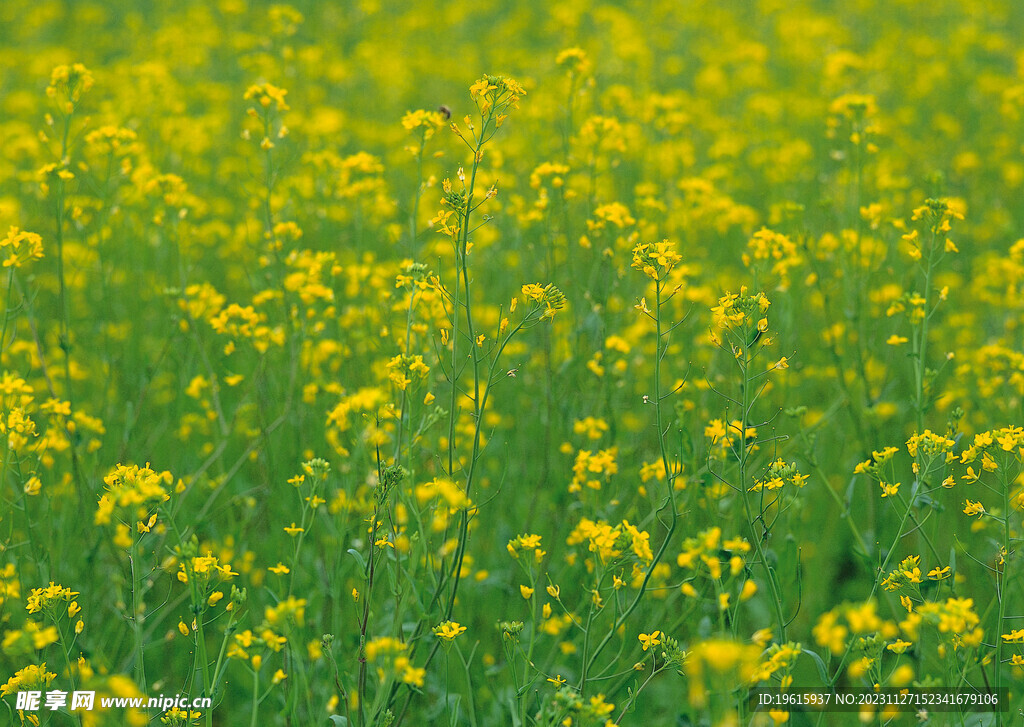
<point>562,364</point>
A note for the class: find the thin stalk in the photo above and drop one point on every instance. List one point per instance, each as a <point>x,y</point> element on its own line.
<point>921,339</point>
<point>67,659</point>
<point>255,697</point>
<point>65,310</point>
<point>1001,581</point>
<point>742,454</point>
<point>669,497</point>
<point>140,665</point>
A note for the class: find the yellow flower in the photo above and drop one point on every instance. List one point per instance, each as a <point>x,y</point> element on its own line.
<point>481,87</point>
<point>41,637</point>
<point>45,598</point>
<point>31,677</point>
<point>267,94</point>
<point>548,296</point>
<point>939,574</point>
<point>889,489</point>
<point>899,646</point>
<point>448,630</point>
<point>289,609</point>
<point>33,486</point>
<point>575,61</point>
<point>526,591</point>
<point>649,640</point>
<point>67,84</point>
<point>973,508</point>
<point>408,673</point>
<point>293,530</point>
<point>656,259</point>
<point>715,430</point>
<point>1017,635</point>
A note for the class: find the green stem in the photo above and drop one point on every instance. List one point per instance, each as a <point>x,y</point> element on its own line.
<point>255,697</point>
<point>140,665</point>
<point>1001,580</point>
<point>874,587</point>
<point>203,663</point>
<point>7,309</point>
<point>669,500</point>
<point>463,268</point>
<point>220,666</point>
<point>65,309</point>
<point>447,699</point>
<point>55,617</point>
<point>921,349</point>
<point>469,686</point>
<point>742,454</point>
<point>418,194</point>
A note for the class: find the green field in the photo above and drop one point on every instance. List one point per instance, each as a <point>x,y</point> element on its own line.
<point>561,364</point>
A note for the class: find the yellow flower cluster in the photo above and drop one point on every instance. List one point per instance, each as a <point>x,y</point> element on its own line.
<point>389,655</point>
<point>655,259</point>
<point>129,486</point>
<point>496,94</point>
<point>403,370</point>
<point>767,247</point>
<point>31,677</point>
<point>20,247</point>
<point>524,543</point>
<point>548,296</point>
<point>611,542</point>
<point>716,660</point>
<point>737,311</point>
<point>907,576</point>
<point>205,571</point>
<point>858,619</point>
<point>779,472</point>
<point>593,469</point>
<point>68,83</point>
<point>267,94</point>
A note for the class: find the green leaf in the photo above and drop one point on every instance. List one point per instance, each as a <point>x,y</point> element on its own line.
<point>822,671</point>
<point>358,556</point>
